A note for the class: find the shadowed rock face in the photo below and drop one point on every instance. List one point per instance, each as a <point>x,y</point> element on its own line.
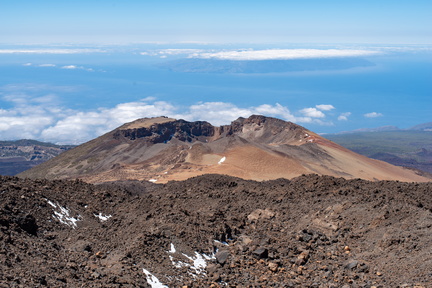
<point>259,148</point>
<point>164,132</point>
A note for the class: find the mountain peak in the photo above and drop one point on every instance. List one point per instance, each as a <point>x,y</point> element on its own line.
<point>163,130</point>
<point>147,122</point>
<point>258,147</point>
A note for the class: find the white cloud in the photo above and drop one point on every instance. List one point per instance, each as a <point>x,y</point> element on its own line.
<point>179,51</point>
<point>39,65</point>
<point>220,113</point>
<point>344,116</point>
<point>69,67</point>
<point>23,126</point>
<point>165,52</point>
<point>325,107</point>
<point>373,115</point>
<point>283,54</point>
<point>72,67</point>
<point>42,117</point>
<point>312,112</point>
<point>216,113</point>
<point>82,126</point>
<point>49,51</point>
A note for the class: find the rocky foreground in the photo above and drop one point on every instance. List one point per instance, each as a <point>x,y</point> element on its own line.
<point>216,231</point>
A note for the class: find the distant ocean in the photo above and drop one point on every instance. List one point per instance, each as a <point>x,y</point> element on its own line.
<point>398,85</point>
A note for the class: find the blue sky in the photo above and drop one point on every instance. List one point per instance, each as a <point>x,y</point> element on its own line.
<point>68,75</point>
<point>108,21</point>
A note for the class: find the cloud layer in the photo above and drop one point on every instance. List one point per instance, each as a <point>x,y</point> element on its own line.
<point>373,115</point>
<point>283,54</point>
<point>344,116</point>
<point>50,51</point>
<point>67,67</point>
<point>37,113</point>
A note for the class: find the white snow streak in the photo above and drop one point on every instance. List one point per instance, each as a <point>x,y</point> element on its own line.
<point>222,160</point>
<point>63,215</point>
<point>102,217</point>
<point>178,264</point>
<point>172,249</point>
<point>198,262</point>
<point>153,281</point>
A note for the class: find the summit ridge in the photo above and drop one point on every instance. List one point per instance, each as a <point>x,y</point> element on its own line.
<point>258,148</point>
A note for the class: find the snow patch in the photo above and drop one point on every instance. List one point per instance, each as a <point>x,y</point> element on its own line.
<point>153,281</point>
<point>152,180</point>
<point>222,160</point>
<point>198,264</point>
<point>178,264</point>
<point>63,216</point>
<point>102,217</point>
<point>172,249</point>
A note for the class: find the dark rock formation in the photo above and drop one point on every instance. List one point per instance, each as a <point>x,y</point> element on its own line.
<point>164,132</point>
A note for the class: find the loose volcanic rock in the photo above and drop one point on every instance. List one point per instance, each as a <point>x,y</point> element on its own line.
<point>198,233</point>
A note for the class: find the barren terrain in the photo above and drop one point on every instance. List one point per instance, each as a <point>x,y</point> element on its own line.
<point>216,231</point>
<point>18,156</point>
<point>257,148</point>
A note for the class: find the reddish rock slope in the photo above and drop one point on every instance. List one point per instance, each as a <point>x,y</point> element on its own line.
<point>258,148</point>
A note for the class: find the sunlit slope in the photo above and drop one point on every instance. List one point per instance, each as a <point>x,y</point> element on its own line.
<point>260,148</point>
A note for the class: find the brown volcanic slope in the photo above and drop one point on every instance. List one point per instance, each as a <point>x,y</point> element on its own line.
<point>258,148</point>
<point>311,231</point>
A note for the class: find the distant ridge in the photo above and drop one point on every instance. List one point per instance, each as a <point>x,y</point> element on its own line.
<point>376,129</point>
<point>19,155</point>
<point>259,148</point>
<point>423,127</point>
<point>408,148</point>
<point>427,127</point>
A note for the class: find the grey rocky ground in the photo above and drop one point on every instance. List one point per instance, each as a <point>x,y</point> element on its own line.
<point>216,231</point>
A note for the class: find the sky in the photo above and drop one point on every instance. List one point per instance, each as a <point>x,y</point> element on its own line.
<point>73,70</point>
<point>222,21</point>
